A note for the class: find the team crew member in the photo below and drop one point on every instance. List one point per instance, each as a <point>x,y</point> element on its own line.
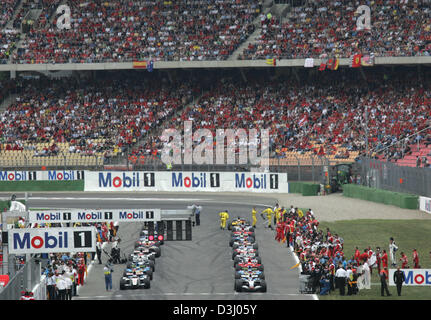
<point>253,216</point>
<point>224,215</point>
<point>404,261</point>
<point>340,279</point>
<point>383,280</point>
<point>416,259</point>
<point>61,286</point>
<point>399,278</point>
<point>107,271</point>
<point>269,213</point>
<point>50,286</point>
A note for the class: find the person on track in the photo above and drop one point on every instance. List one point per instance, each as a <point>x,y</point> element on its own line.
<point>107,271</point>
<point>269,214</point>
<point>224,215</point>
<point>253,216</point>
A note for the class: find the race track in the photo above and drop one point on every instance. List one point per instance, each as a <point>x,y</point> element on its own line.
<point>201,269</point>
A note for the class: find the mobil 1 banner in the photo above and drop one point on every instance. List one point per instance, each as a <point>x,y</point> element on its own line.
<point>52,240</point>
<point>120,181</point>
<point>89,215</point>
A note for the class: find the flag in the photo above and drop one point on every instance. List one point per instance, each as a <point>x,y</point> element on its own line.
<point>356,61</point>
<point>322,66</point>
<point>139,64</point>
<point>333,63</point>
<point>367,61</point>
<point>303,121</point>
<point>271,62</point>
<point>309,63</point>
<point>295,266</point>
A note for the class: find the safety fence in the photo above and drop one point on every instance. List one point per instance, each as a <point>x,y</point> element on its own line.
<point>390,176</point>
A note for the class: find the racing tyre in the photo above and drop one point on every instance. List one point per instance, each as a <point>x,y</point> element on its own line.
<point>262,276</point>
<point>229,226</point>
<point>158,252</point>
<point>147,284</point>
<point>122,285</point>
<point>150,274</point>
<point>238,285</point>
<point>235,261</point>
<point>231,243</point>
<point>235,245</point>
<point>152,265</point>
<point>259,260</point>
<point>255,245</point>
<point>263,284</point>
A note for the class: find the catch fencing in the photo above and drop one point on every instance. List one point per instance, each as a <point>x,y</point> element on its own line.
<point>390,176</point>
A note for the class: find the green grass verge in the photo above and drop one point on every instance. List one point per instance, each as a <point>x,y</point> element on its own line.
<point>408,234</point>
<point>11,186</point>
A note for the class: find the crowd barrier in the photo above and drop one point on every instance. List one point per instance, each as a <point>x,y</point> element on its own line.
<point>402,200</point>
<point>15,186</point>
<point>305,188</point>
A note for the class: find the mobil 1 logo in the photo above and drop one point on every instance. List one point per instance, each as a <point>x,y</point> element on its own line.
<point>82,239</point>
<point>215,180</point>
<point>149,179</point>
<point>273,181</point>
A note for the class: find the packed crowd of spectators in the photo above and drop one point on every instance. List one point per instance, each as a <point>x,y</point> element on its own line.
<point>6,11</point>
<point>398,28</point>
<point>103,115</point>
<point>8,43</point>
<point>113,31</point>
<point>332,110</point>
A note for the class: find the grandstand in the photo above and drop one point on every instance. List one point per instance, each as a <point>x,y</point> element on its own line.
<point>209,62</point>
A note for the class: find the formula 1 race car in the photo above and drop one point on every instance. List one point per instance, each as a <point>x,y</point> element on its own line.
<point>240,238</point>
<point>238,244</point>
<point>250,282</point>
<point>142,263</point>
<point>249,264</point>
<point>157,251</point>
<point>245,258</point>
<point>237,222</point>
<point>135,281</point>
<point>246,272</point>
<point>152,246</point>
<point>245,251</point>
<point>138,271</point>
<point>242,228</point>
<point>142,253</point>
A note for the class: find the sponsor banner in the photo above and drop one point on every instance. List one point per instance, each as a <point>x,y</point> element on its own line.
<point>52,240</point>
<point>414,277</point>
<point>49,175</point>
<point>18,175</point>
<point>186,181</point>
<point>90,215</point>
<point>60,175</point>
<point>425,204</point>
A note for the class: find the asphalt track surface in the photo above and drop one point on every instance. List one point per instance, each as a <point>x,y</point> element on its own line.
<point>201,269</point>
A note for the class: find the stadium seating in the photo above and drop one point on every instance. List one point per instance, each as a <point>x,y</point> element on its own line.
<point>329,27</point>
<point>118,31</point>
